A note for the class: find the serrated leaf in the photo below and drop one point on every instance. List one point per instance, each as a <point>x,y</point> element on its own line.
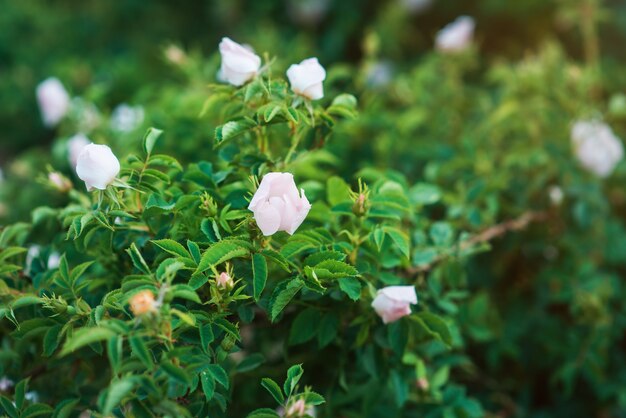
<point>220,252</point>
<point>351,286</point>
<point>283,295</point>
<point>137,259</point>
<point>304,326</point>
<point>208,385</point>
<point>219,374</point>
<point>232,129</point>
<point>259,273</point>
<point>176,373</point>
<point>293,377</point>
<point>399,238</point>
<point>140,350</point>
<point>434,326</point>
<point>172,247</point>
<point>117,391</point>
<point>85,336</point>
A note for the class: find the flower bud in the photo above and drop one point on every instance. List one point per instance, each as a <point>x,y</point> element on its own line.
<point>306,78</point>
<point>360,205</point>
<point>394,302</point>
<point>59,182</point>
<point>97,166</point>
<point>456,36</point>
<point>54,101</point>
<point>423,383</point>
<point>297,409</point>
<point>142,303</point>
<point>224,281</point>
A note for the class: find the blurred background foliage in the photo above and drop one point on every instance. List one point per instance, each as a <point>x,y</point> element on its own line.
<point>543,333</point>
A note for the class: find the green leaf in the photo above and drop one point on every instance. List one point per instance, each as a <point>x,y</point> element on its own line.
<point>176,373</point>
<point>51,340</point>
<point>20,391</point>
<point>220,252</point>
<point>141,351</point>
<point>304,326</point>
<point>232,129</point>
<point>313,398</point>
<point>172,247</point>
<point>117,391</point>
<point>424,194</point>
<point>36,410</point>
<point>293,377</point>
<point>263,413</point>
<point>337,191</point>
<point>434,326</point>
<point>219,374</point>
<point>399,238</point>
<point>282,295</point>
<point>64,408</point>
<point>184,291</point>
<point>85,336</point>
<point>208,385</point>
<point>274,390</point>
<point>442,233</point>
<point>137,259</point>
<point>351,286</point>
<point>277,258</point>
<point>150,138</point>
<point>115,347</point>
<point>8,407</point>
<point>316,258</point>
<point>259,272</point>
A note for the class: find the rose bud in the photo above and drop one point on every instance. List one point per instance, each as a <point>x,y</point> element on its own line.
<point>277,205</point>
<point>297,409</point>
<point>75,146</point>
<point>456,36</point>
<point>596,147</point>
<point>238,63</point>
<point>423,383</point>
<point>97,166</point>
<point>306,78</point>
<point>54,101</point>
<point>142,303</point>
<point>394,302</point>
<point>59,181</point>
<point>224,281</point>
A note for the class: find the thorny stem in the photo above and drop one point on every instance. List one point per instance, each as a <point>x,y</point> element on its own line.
<point>487,235</point>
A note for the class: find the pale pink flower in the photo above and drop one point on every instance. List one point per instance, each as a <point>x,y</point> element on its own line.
<point>394,302</point>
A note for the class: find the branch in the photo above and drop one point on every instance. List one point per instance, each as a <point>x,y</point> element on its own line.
<point>487,235</point>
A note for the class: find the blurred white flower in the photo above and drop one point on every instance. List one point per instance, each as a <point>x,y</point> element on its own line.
<point>59,182</point>
<point>5,384</point>
<point>85,114</point>
<point>97,166</point>
<point>307,78</point>
<point>394,302</point>
<point>126,118</point>
<point>379,74</point>
<point>416,6</point>
<point>556,195</point>
<point>54,260</point>
<point>307,12</point>
<point>596,147</point>
<point>32,253</point>
<point>75,146</point>
<point>54,101</point>
<point>239,64</point>
<point>32,396</point>
<point>456,36</point>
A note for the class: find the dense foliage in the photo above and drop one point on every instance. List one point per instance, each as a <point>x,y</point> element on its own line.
<point>469,173</point>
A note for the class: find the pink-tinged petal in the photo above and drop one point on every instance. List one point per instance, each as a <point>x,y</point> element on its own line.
<point>267,218</point>
<point>300,215</point>
<point>237,57</point>
<point>314,92</point>
<point>400,293</point>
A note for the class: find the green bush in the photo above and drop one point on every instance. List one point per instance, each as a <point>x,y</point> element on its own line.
<point>446,239</point>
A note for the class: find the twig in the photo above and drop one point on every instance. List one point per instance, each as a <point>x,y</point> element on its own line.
<point>487,235</point>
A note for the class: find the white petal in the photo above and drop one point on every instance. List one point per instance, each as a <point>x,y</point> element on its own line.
<point>267,218</point>
<point>400,293</point>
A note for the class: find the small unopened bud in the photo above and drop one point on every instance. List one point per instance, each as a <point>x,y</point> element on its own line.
<point>59,182</point>
<point>175,55</point>
<point>297,409</point>
<point>143,302</point>
<point>359,207</point>
<point>556,195</point>
<point>422,383</point>
<point>224,281</point>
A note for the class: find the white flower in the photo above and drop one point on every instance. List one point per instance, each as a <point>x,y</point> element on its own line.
<point>32,253</point>
<point>277,205</point>
<point>126,118</point>
<point>456,36</point>
<point>556,195</point>
<point>238,63</point>
<point>5,384</point>
<point>596,147</point>
<point>379,74</point>
<point>54,101</point>
<point>85,113</point>
<point>394,302</point>
<point>97,166</point>
<point>307,12</point>
<point>416,6</point>
<point>75,146</point>
<point>54,260</point>
<point>306,78</point>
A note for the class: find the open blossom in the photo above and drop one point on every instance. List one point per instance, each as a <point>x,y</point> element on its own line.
<point>456,36</point>
<point>54,101</point>
<point>596,147</point>
<point>394,302</point>
<point>75,146</point>
<point>238,63</point>
<point>224,281</point>
<point>97,166</point>
<point>143,302</point>
<point>277,205</point>
<point>306,78</point>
